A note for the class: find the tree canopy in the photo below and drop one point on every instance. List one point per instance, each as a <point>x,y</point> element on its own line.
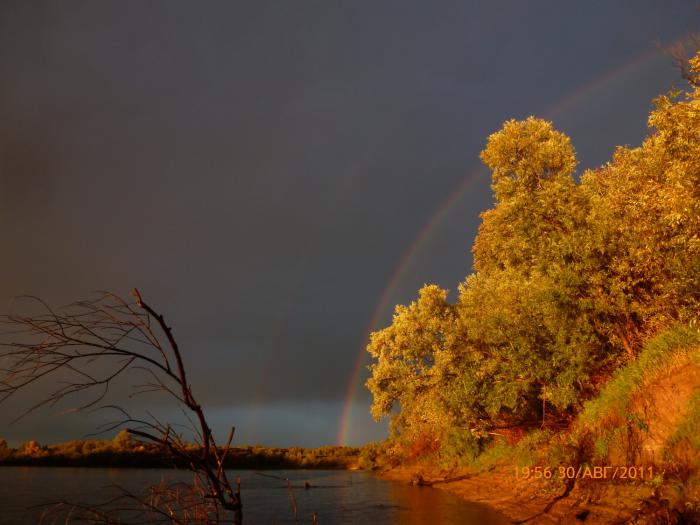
<point>571,275</point>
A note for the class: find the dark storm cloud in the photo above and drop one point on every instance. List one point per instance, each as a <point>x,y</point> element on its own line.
<point>259,168</point>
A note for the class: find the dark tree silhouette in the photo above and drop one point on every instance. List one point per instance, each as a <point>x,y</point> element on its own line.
<point>680,53</point>
<point>93,342</point>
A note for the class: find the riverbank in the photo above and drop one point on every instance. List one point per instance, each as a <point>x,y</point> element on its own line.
<point>631,455</point>
<point>547,502</point>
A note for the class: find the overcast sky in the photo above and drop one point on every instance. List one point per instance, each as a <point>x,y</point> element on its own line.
<point>259,170</point>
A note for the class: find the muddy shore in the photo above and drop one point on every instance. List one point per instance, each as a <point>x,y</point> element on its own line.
<point>537,501</point>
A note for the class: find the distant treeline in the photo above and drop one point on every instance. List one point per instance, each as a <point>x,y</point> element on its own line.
<point>123,451</point>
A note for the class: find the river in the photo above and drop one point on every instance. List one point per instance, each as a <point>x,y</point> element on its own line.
<point>337,497</point>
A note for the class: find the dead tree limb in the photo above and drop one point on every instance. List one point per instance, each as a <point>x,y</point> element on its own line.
<point>124,336</point>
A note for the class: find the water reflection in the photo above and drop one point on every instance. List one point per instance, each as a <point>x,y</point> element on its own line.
<point>337,497</point>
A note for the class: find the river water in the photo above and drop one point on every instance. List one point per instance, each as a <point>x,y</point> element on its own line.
<point>337,497</point>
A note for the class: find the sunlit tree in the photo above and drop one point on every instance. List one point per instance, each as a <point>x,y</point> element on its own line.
<point>570,277</point>
<point>411,357</point>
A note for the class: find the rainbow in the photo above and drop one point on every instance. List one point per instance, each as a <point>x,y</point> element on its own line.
<point>562,106</point>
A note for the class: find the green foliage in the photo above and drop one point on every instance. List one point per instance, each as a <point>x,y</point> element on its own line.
<point>378,456</point>
<point>660,355</point>
<point>414,357</point>
<point>572,278</point>
<point>460,447</point>
<point>525,154</point>
<point>527,452</point>
<point>686,439</point>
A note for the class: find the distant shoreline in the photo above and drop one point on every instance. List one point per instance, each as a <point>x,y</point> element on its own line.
<point>124,453</point>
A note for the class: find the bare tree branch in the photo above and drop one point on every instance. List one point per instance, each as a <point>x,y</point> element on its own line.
<point>679,55</point>
<point>121,337</point>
